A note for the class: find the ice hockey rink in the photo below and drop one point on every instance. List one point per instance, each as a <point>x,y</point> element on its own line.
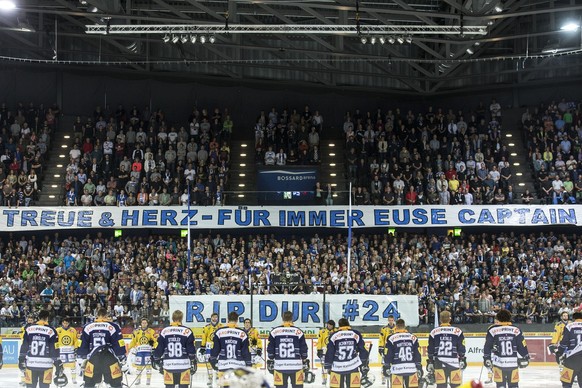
<point>533,376</point>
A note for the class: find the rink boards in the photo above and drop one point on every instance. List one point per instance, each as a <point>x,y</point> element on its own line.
<point>537,345</point>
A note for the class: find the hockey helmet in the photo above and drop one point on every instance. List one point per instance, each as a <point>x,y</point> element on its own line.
<point>367,380</point>
<point>309,377</point>
<point>243,378</point>
<point>61,380</point>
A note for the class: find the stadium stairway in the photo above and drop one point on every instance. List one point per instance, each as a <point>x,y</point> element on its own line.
<point>522,178</point>
<point>56,163</point>
<point>243,174</point>
<point>333,168</point>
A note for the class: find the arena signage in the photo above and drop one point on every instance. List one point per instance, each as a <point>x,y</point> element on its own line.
<point>309,311</point>
<point>43,218</point>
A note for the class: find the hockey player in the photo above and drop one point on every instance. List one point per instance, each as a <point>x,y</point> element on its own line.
<point>256,345</point>
<point>402,362</point>
<point>38,353</point>
<point>287,354</point>
<point>386,332</point>
<point>207,342</point>
<point>570,352</point>
<point>558,331</point>
<point>346,357</point>
<point>68,342</point>
<point>101,354</point>
<point>322,339</point>
<point>143,340</point>
<point>505,351</point>
<point>231,347</point>
<point>446,353</point>
<point>29,321</point>
<point>175,353</point>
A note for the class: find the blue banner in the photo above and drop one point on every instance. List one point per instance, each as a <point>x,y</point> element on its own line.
<point>48,218</point>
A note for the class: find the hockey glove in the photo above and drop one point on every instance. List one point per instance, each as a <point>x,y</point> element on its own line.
<point>306,364</point>
<point>553,348</point>
<point>157,364</point>
<point>488,364</point>
<point>259,352</point>
<point>320,354</point>
<point>429,366</point>
<point>523,362</point>
<point>381,351</point>
<point>364,369</point>
<point>419,371</point>
<point>81,363</point>
<point>201,352</point>
<point>386,370</point>
<point>124,365</point>
<point>193,366</point>
<point>271,366</point>
<point>22,362</point>
<point>59,369</point>
<point>151,343</point>
<point>462,363</point>
<point>214,363</point>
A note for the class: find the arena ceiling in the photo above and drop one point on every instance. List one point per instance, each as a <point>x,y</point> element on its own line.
<point>522,40</point>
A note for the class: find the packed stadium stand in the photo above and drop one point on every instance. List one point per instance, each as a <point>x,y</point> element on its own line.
<point>364,161</point>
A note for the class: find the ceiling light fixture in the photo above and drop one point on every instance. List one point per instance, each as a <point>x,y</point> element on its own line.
<point>212,39</point>
<point>373,40</point>
<point>7,5</point>
<point>499,7</point>
<point>409,39</point>
<point>470,51</point>
<point>202,39</point>
<point>193,38</point>
<point>364,40</point>
<point>400,40</point>
<point>166,38</point>
<point>568,27</point>
<point>184,38</point>
<point>175,38</point>
<point>391,40</point>
<point>382,40</point>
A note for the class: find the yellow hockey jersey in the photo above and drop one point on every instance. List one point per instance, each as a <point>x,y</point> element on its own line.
<point>68,340</point>
<point>143,340</point>
<point>385,333</point>
<point>558,332</point>
<point>254,340</point>
<point>323,338</point>
<point>208,335</point>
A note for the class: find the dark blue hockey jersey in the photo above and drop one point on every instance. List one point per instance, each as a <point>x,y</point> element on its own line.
<point>99,335</point>
<point>446,344</point>
<point>175,347</point>
<point>345,351</point>
<point>231,348</point>
<point>39,345</point>
<point>504,345</point>
<point>402,353</point>
<point>571,344</point>
<point>287,347</point>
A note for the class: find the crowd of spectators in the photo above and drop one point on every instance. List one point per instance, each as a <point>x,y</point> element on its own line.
<point>428,157</point>
<point>24,140</point>
<point>535,276</point>
<point>139,158</point>
<point>288,138</point>
<point>553,134</point>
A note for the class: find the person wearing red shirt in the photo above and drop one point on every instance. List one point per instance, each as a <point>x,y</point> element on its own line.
<point>411,196</point>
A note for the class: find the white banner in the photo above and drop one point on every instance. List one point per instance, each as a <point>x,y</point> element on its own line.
<point>309,311</point>
<point>45,218</point>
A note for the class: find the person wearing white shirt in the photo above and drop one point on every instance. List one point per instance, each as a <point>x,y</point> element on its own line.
<point>281,157</point>
<point>468,198</point>
<point>270,157</point>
